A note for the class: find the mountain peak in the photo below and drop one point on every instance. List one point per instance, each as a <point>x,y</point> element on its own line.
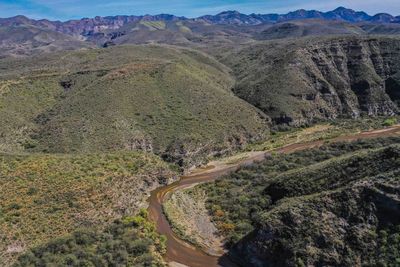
<point>382,18</point>
<point>232,17</point>
<point>229,12</point>
<point>347,14</point>
<point>19,17</point>
<point>16,20</point>
<point>342,8</point>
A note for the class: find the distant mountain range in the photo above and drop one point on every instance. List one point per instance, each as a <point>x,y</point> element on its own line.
<point>341,13</point>
<point>86,26</point>
<point>20,35</point>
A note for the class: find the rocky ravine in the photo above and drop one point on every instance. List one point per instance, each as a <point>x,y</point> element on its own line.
<point>299,81</point>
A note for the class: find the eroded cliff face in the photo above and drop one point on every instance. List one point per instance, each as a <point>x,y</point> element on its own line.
<point>348,221</point>
<point>298,81</point>
<point>351,75</point>
<point>343,228</point>
<point>188,154</point>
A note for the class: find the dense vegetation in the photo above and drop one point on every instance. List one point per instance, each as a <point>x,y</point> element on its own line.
<point>236,199</point>
<point>48,196</point>
<point>131,241</point>
<point>170,101</point>
<point>279,203</point>
<point>81,127</point>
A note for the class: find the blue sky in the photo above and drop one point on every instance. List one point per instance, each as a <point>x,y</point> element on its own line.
<point>73,9</point>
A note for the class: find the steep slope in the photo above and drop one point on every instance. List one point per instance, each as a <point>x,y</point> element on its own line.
<point>174,102</point>
<point>346,14</point>
<point>352,221</point>
<point>298,81</point>
<point>45,197</point>
<point>167,32</point>
<point>233,18</point>
<point>336,205</point>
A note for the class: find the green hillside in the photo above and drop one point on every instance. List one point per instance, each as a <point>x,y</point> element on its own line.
<point>99,115</point>
<point>174,102</point>
<point>304,207</point>
<point>131,241</point>
<point>49,196</point>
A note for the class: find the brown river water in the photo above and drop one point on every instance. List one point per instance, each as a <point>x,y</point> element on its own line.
<point>180,251</point>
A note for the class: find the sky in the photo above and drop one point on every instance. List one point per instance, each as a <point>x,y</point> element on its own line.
<point>75,9</point>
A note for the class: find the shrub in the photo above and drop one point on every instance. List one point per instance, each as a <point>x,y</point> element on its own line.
<point>238,198</point>
<point>390,122</point>
<point>130,242</point>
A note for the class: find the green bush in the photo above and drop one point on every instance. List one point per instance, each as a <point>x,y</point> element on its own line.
<point>390,122</point>
<point>127,242</point>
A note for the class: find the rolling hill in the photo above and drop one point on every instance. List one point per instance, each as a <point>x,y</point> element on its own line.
<point>78,138</point>
<point>174,102</point>
<point>313,27</point>
<point>97,112</point>
<point>25,40</point>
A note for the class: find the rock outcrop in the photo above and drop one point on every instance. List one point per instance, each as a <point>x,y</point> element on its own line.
<point>334,229</point>
<point>300,81</point>
<point>353,224</point>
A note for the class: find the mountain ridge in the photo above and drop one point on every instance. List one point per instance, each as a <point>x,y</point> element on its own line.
<point>205,32</point>
<point>225,17</point>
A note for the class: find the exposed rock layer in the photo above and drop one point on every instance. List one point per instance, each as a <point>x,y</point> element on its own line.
<point>347,225</point>
<point>297,82</point>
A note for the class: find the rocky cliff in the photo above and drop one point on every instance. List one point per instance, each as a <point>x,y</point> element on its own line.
<point>299,81</point>
<point>354,223</point>
<point>344,228</point>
